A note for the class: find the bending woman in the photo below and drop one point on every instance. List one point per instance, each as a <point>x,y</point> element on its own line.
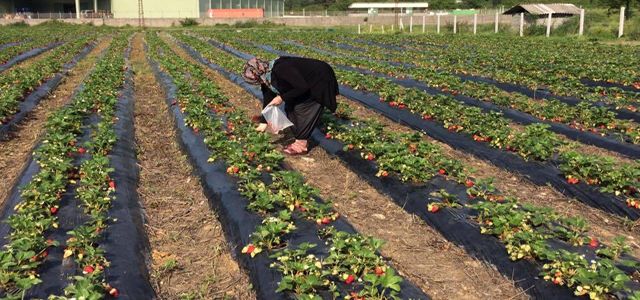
<point>305,85</point>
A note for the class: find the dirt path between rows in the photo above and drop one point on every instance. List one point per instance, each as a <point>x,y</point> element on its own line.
<point>191,258</point>
<point>418,252</point>
<point>15,152</point>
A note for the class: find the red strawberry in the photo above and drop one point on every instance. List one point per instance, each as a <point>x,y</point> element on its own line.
<point>558,274</point>
<point>393,104</point>
<point>53,210</point>
<point>174,102</point>
<point>402,106</point>
<point>233,170</point>
<point>250,248</point>
<point>114,292</point>
<point>427,117</point>
<point>327,136</point>
<point>384,174</point>
<point>442,172</point>
<point>88,270</point>
<point>350,146</point>
<point>573,180</point>
<point>593,243</point>
<point>379,271</point>
<point>557,280</point>
<point>82,150</point>
<point>370,156</point>
<point>112,184</point>
<point>433,208</point>
<point>469,183</point>
<point>349,279</point>
<point>325,220</point>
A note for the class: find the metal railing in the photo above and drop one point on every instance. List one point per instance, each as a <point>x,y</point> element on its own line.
<point>56,15</point>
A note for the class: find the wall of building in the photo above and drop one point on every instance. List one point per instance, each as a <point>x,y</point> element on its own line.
<point>289,21</point>
<point>154,9</point>
<point>6,6</point>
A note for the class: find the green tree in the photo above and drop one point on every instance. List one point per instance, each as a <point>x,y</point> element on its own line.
<point>614,5</point>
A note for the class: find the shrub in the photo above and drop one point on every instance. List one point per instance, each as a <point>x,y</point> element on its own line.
<point>188,22</point>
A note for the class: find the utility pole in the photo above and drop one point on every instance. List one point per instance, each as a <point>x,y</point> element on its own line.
<point>140,14</point>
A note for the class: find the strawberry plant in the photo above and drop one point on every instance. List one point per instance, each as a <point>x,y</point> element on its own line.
<point>282,201</point>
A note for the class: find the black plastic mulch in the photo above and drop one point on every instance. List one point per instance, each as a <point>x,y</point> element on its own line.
<point>33,99</point>
<point>454,224</point>
<point>239,223</point>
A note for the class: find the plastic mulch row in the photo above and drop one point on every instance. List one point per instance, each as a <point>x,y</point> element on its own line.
<point>453,224</point>
<point>125,242</point>
<point>542,93</point>
<point>239,223</point>
<point>454,227</point>
<point>606,142</point>
<point>7,45</point>
<point>31,101</point>
<point>540,173</point>
<point>27,55</point>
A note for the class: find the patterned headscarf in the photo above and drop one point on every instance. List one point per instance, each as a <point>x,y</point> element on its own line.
<point>255,71</point>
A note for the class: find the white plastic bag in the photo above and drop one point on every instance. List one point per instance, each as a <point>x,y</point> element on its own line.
<point>276,118</point>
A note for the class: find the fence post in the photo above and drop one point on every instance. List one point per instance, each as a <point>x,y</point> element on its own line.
<point>455,23</point>
<point>581,28</point>
<point>475,23</point>
<point>549,25</point>
<point>411,24</point>
<point>621,27</point>
<point>424,21</point>
<point>521,24</point>
<point>382,28</point>
<point>326,13</point>
<point>497,21</point>
<point>358,28</point>
<point>438,24</point>
<point>370,28</point>
<point>392,29</point>
<point>303,13</point>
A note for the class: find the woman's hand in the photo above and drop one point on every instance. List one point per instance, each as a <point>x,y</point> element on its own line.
<point>276,101</point>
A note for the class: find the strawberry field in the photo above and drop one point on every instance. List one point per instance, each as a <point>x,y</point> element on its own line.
<point>455,167</point>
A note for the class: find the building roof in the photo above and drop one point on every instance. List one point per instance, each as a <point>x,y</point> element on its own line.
<point>389,5</point>
<point>544,9</point>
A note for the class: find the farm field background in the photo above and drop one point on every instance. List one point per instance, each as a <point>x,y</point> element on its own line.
<point>456,167</point>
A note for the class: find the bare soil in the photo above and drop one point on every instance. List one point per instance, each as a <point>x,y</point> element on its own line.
<point>15,152</point>
<point>190,256</point>
<point>418,252</point>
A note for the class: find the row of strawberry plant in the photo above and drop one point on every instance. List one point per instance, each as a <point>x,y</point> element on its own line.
<point>35,215</point>
<point>525,230</point>
<point>18,82</point>
<point>584,117</point>
<point>352,265</point>
<point>531,73</point>
<point>96,188</point>
<point>29,41</point>
<point>410,158</point>
<point>534,142</point>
